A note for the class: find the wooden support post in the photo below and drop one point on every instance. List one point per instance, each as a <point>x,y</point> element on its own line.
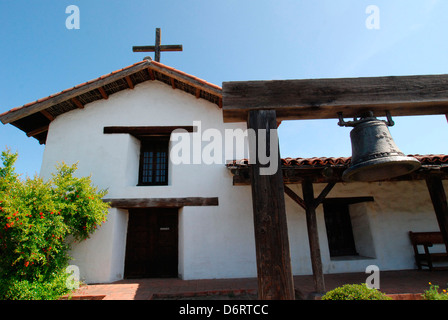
<point>438,198</point>
<point>313,237</point>
<point>275,281</point>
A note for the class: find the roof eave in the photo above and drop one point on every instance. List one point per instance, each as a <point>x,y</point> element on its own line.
<point>200,87</point>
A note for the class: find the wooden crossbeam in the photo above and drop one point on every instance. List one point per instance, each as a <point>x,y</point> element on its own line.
<point>146,130</point>
<point>162,202</point>
<point>325,98</point>
<point>158,47</point>
<point>163,47</point>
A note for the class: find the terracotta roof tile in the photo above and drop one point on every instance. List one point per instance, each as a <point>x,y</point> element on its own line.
<point>431,159</point>
<point>155,63</point>
<point>69,89</point>
<point>28,118</point>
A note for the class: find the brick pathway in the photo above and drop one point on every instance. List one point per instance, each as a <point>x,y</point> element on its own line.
<point>391,282</point>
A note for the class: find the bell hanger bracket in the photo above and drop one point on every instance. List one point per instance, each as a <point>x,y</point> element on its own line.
<point>366,116</point>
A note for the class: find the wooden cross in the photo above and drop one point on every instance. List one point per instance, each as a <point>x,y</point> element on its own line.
<point>158,47</point>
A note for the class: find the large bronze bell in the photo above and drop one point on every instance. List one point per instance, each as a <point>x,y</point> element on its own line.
<point>375,155</point>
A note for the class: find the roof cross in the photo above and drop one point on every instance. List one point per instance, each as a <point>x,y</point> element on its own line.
<point>158,47</point>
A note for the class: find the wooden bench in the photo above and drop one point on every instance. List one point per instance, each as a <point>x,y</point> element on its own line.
<point>427,240</point>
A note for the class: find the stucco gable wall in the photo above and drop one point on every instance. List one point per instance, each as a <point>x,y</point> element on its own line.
<point>112,161</point>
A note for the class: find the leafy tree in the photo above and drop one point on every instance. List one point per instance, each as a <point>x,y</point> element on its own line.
<point>37,220</point>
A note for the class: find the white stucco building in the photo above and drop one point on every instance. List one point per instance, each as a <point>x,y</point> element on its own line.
<point>194,220</point>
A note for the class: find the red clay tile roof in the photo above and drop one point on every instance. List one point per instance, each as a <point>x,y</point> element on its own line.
<point>34,118</point>
<point>325,170</point>
<point>432,159</point>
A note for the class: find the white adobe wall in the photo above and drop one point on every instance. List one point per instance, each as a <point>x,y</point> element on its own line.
<point>214,241</point>
<point>380,227</point>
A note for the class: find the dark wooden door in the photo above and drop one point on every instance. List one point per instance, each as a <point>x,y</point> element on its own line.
<point>152,243</point>
<point>339,229</point>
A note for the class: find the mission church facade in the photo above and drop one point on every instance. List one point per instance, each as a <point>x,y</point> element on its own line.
<point>195,220</point>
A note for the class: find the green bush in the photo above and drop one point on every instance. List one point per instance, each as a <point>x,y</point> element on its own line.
<point>355,292</point>
<point>39,289</point>
<point>433,293</point>
<point>36,219</point>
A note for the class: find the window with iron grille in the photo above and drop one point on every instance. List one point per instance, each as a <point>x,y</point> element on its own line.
<point>153,162</point>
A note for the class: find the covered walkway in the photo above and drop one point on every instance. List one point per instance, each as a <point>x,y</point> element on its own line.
<point>391,282</point>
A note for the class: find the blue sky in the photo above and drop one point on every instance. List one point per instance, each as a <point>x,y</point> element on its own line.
<point>226,40</point>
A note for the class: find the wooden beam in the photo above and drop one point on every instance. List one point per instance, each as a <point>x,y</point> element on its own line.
<point>47,115</point>
<point>129,82</point>
<point>173,84</point>
<point>324,98</point>
<point>163,47</point>
<point>147,130</point>
<point>37,131</point>
<point>194,82</point>
<point>349,200</point>
<point>313,237</point>
<point>151,74</point>
<point>162,202</point>
<point>275,280</point>
<point>77,103</point>
<point>293,175</point>
<point>439,202</point>
<point>103,93</point>
<point>23,112</point>
<point>323,194</point>
<point>295,197</point>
